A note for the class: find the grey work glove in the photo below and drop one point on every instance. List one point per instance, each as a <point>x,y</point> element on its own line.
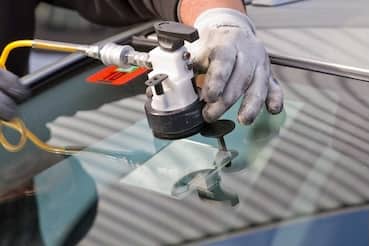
<point>11,92</point>
<point>236,64</point>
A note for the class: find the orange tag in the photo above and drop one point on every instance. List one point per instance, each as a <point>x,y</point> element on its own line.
<point>113,75</point>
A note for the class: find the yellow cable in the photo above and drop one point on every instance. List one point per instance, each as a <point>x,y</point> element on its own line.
<point>17,124</point>
<point>11,46</point>
<point>39,44</point>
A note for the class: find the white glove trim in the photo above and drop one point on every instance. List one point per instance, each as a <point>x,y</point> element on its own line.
<point>217,17</point>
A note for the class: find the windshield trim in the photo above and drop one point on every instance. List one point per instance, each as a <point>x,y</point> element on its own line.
<point>244,231</point>
<point>320,67</point>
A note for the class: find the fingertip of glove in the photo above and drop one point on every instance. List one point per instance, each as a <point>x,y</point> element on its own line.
<point>7,115</point>
<point>11,85</point>
<point>211,95</point>
<point>245,120</point>
<point>8,109</point>
<point>248,114</point>
<point>275,108</point>
<point>208,117</point>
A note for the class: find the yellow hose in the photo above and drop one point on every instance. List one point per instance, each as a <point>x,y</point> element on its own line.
<point>25,134</point>
<point>17,124</point>
<point>11,46</point>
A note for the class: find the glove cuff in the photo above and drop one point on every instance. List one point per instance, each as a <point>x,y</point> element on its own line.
<point>217,17</point>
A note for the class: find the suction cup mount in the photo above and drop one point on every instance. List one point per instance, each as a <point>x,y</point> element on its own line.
<point>218,130</point>
<point>207,183</point>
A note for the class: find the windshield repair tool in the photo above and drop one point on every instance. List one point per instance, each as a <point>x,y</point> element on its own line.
<point>174,111</point>
<point>207,183</point>
<point>218,130</point>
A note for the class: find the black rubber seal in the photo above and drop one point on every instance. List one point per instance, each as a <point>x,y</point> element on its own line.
<point>175,124</point>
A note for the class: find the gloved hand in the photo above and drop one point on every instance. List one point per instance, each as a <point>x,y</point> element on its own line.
<point>236,64</point>
<point>11,92</point>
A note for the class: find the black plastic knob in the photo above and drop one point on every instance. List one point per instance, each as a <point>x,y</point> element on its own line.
<point>171,35</point>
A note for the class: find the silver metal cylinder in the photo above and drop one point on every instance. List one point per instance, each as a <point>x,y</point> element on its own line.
<point>140,59</point>
<point>123,55</point>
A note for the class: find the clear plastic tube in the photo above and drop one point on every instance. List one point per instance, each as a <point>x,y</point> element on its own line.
<point>17,124</point>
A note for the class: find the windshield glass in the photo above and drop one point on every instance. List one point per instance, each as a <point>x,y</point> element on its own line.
<point>334,31</point>
<point>128,187</point>
<point>311,158</point>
